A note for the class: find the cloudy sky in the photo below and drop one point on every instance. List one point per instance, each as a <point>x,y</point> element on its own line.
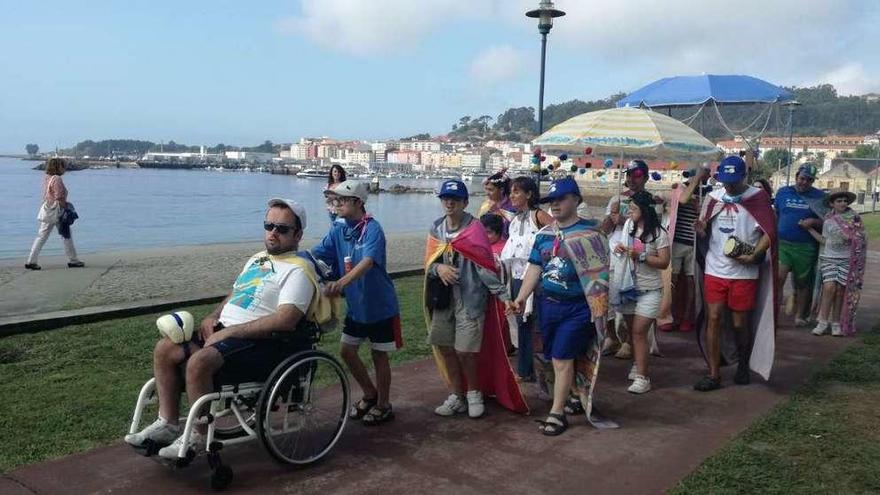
<point>241,72</point>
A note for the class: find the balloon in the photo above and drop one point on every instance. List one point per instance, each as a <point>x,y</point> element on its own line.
<point>545,172</point>
<point>600,173</point>
<point>587,165</point>
<point>543,157</point>
<point>588,151</point>
<point>536,170</point>
<point>609,163</point>
<point>563,157</point>
<point>582,171</point>
<point>573,168</point>
<point>536,160</point>
<point>655,175</point>
<point>537,151</point>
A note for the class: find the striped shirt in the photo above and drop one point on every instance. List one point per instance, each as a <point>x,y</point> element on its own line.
<point>684,220</point>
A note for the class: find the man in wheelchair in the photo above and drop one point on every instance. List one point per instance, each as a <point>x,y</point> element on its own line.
<point>259,325</point>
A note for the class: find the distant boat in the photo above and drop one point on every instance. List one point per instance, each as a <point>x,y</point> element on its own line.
<point>312,173</point>
<point>470,177</point>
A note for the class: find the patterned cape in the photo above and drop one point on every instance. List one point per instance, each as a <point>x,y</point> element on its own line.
<point>588,252</point>
<point>851,226</point>
<point>493,368</point>
<point>763,318</point>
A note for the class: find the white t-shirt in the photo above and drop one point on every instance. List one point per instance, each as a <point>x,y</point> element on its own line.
<point>836,244</point>
<point>648,278</point>
<point>521,237</point>
<point>733,220</point>
<point>265,283</point>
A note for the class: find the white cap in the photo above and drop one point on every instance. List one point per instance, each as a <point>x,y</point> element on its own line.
<point>350,189</point>
<point>295,207</point>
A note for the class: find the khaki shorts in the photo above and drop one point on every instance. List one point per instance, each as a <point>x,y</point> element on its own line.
<point>451,327</point>
<point>682,259</point>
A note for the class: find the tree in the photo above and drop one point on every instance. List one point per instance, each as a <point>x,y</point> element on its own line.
<point>516,119</point>
<point>861,151</point>
<point>32,149</point>
<point>424,136</point>
<point>774,158</point>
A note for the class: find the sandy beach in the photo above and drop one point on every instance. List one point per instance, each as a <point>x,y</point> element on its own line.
<point>183,272</point>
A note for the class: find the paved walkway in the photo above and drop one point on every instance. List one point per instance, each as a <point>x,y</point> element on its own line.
<point>147,275</point>
<point>665,435</point>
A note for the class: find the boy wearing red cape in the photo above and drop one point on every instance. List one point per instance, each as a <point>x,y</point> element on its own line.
<point>464,312</point>
<point>742,283</point>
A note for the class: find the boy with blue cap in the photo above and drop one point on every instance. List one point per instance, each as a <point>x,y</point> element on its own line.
<point>569,261</point>
<point>799,208</point>
<point>464,311</point>
<point>740,280</point>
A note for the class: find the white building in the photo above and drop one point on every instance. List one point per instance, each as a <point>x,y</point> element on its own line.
<point>299,151</point>
<point>419,146</point>
<point>250,156</point>
<point>473,162</point>
<point>355,156</point>
<point>379,150</point>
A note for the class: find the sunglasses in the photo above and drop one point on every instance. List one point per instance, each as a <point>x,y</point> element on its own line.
<point>277,227</point>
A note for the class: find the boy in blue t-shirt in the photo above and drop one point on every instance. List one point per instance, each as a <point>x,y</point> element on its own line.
<point>565,320</point>
<point>355,248</point>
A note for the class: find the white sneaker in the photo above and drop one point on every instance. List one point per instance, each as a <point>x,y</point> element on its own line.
<point>475,405</point>
<point>835,330</point>
<point>821,328</point>
<point>640,385</point>
<point>453,405</point>
<point>633,372</point>
<point>196,443</point>
<point>160,432</point>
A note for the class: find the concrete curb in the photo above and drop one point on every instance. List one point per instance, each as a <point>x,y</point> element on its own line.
<point>49,321</point>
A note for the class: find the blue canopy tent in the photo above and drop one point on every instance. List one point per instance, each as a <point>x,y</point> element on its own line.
<point>682,91</point>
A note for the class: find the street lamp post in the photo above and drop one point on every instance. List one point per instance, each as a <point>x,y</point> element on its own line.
<point>790,105</point>
<point>876,172</point>
<point>545,13</point>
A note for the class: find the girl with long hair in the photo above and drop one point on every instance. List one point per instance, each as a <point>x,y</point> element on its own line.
<point>497,187</point>
<point>644,247</point>
<point>524,226</point>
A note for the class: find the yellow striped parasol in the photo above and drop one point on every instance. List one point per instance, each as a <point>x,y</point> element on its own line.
<point>629,131</point>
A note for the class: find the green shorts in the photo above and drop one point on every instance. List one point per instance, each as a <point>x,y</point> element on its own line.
<point>801,258</point>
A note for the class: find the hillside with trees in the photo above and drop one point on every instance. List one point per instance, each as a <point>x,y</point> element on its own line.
<point>823,112</point>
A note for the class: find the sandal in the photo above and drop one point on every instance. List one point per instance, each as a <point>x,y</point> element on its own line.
<point>573,406</point>
<point>707,384</point>
<point>378,415</point>
<point>554,425</point>
<point>361,408</point>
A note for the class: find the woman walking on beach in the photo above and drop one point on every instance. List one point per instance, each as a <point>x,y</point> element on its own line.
<point>335,177</point>
<point>53,210</point>
<point>524,226</point>
<point>644,248</point>
<point>841,265</point>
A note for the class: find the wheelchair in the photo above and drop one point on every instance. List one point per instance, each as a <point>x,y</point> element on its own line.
<point>298,413</point>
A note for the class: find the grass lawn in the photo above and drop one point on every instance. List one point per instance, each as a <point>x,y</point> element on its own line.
<point>825,439</point>
<point>73,389</point>
<point>872,225</point>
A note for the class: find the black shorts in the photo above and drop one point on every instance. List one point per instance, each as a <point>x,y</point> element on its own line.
<point>253,360</point>
<point>384,335</point>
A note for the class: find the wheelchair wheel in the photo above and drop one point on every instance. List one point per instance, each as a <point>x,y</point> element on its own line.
<point>303,408</point>
<point>228,426</point>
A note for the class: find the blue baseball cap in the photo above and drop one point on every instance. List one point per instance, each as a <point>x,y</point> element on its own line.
<point>454,189</point>
<point>560,187</point>
<point>731,170</point>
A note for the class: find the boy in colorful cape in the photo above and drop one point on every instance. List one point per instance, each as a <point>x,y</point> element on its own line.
<point>355,248</point>
<point>467,332</point>
<point>744,285</point>
<point>569,261</point>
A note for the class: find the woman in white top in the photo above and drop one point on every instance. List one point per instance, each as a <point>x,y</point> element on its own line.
<point>646,244</point>
<point>524,225</point>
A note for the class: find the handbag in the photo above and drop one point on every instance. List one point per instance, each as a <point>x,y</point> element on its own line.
<point>437,294</point>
